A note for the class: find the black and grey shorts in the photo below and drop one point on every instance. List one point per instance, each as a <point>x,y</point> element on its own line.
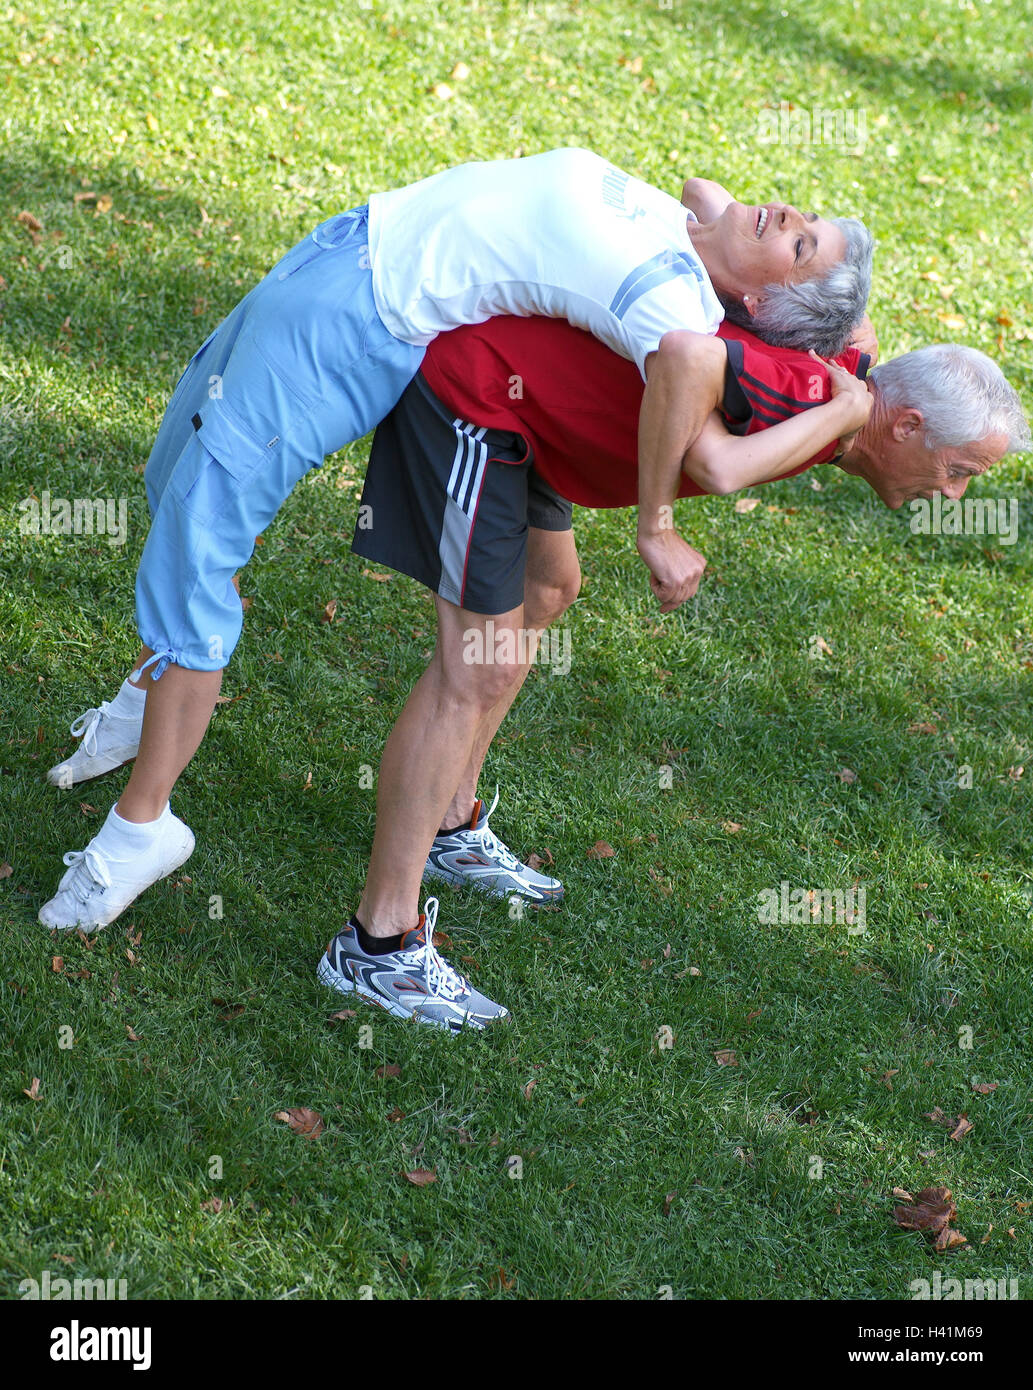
<point>449,502</point>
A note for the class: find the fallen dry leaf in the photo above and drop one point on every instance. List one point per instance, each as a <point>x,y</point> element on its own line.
<point>846,774</point>
<point>932,1211</point>
<point>31,223</point>
<point>33,1091</point>
<point>341,1015</point>
<point>601,850</point>
<point>131,1035</point>
<point>57,964</point>
<point>530,1087</point>
<point>668,1200</point>
<point>731,827</point>
<point>746,504</point>
<point>5,870</point>
<point>534,861</point>
<point>216,1204</point>
<point>395,1115</point>
<point>388,1069</point>
<point>726,1058</point>
<point>962,1128</point>
<point>329,611</point>
<point>420,1177</point>
<point>922,728</point>
<point>984,1088</point>
<point>308,1123</point>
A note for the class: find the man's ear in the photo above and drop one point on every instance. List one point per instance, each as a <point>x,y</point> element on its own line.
<point>907,423</point>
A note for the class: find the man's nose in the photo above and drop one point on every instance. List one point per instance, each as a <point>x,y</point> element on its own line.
<point>955,488</point>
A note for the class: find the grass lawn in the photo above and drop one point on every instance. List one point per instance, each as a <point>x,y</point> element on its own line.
<point>166,155</point>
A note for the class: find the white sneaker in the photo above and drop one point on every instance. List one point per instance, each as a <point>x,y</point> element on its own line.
<point>106,876</point>
<point>108,741</point>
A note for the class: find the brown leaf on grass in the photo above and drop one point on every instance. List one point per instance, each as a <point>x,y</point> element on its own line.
<point>902,1194</point>
<point>131,1035</point>
<point>33,1091</point>
<point>922,728</point>
<point>983,1088</point>
<point>5,870</point>
<point>746,504</point>
<point>535,861</point>
<point>229,1011</point>
<point>57,964</point>
<point>342,1015</point>
<point>29,222</point>
<point>328,613</point>
<point>395,1115</point>
<point>104,203</point>
<point>216,1204</point>
<point>246,600</point>
<point>388,1069</point>
<point>937,1116</point>
<point>931,1210</point>
<point>420,1177</point>
<point>726,1057</point>
<point>887,1077</point>
<point>731,827</point>
<point>601,850</point>
<point>530,1087</point>
<point>442,941</point>
<point>668,1202</point>
<point>307,1123</point>
<point>372,574</point>
<point>846,774</point>
<point>962,1128</point>
<point>503,1281</point>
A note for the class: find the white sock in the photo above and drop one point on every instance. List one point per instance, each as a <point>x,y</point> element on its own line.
<point>129,702</point>
<point>124,838</point>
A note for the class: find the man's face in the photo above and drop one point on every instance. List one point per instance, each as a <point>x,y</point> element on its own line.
<point>774,244</point>
<point>900,468</point>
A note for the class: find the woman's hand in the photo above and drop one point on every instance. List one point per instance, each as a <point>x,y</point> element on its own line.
<point>851,393</point>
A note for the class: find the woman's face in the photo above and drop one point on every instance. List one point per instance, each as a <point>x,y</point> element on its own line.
<point>772,244</point>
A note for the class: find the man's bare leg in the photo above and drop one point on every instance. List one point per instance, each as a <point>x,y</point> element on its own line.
<point>551,583</point>
<point>433,736</point>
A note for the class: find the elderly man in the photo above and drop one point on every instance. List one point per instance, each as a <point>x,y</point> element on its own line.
<point>553,415</point>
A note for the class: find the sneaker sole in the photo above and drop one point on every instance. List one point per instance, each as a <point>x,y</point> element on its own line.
<point>545,896</point>
<point>64,784</point>
<point>179,858</point>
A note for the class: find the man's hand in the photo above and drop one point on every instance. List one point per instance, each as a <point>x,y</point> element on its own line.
<point>675,568</point>
<point>864,339</point>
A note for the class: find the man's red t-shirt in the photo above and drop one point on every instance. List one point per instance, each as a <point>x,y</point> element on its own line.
<point>577,402</point>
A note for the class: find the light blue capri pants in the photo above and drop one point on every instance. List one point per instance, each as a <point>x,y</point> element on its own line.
<point>301,367</point>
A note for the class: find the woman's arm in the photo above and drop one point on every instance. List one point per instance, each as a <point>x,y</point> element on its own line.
<point>720,462</point>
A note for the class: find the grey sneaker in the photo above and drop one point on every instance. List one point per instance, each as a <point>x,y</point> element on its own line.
<point>107,743</point>
<point>477,857</point>
<point>414,982</point>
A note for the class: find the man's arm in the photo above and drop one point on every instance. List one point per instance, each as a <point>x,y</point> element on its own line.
<point>705,198</point>
<point>684,384</point>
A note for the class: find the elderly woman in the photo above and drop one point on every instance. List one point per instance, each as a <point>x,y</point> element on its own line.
<point>322,349</point>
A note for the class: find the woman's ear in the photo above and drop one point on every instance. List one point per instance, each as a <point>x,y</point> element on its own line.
<point>751,303</point>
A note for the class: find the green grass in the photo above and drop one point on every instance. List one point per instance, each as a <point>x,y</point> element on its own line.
<point>110,1166</point>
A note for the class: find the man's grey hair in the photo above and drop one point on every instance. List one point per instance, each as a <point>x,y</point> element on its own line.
<point>963,396</point>
<point>821,313</point>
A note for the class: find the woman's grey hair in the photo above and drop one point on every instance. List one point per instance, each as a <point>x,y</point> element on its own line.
<point>963,396</point>
<point>821,313</point>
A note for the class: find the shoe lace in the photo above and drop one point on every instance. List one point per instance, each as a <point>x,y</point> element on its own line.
<point>91,872</point>
<point>441,978</point>
<point>491,843</point>
<point>86,726</point>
